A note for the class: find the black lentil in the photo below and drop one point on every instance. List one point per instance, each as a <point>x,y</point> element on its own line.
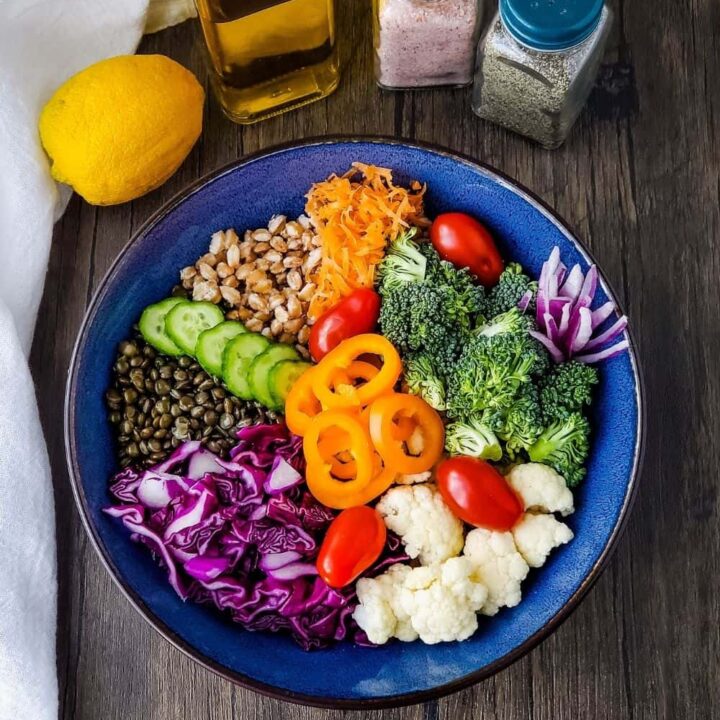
<point>156,402</point>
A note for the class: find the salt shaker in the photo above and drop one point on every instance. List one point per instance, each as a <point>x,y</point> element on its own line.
<point>537,63</point>
<point>423,43</point>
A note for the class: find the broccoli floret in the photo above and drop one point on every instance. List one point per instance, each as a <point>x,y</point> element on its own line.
<point>511,287</point>
<point>427,304</point>
<point>403,263</point>
<point>424,379</point>
<point>474,438</point>
<point>491,371</point>
<point>418,316</point>
<point>566,389</point>
<point>512,321</point>
<point>564,446</point>
<point>520,425</point>
<point>441,272</point>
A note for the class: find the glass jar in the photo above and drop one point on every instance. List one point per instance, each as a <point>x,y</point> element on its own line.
<point>269,56</point>
<point>422,43</point>
<point>537,64</point>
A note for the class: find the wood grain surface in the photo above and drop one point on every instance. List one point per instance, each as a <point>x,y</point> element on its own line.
<point>639,181</point>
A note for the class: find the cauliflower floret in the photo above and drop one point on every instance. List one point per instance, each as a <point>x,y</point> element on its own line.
<point>498,565</point>
<point>437,604</point>
<point>443,600</point>
<point>537,534</point>
<point>541,488</point>
<point>380,613</point>
<point>427,527</point>
<point>415,478</point>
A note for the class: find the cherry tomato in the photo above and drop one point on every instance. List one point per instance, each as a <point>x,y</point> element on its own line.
<point>354,315</point>
<point>465,242</point>
<point>353,542</point>
<point>478,494</point>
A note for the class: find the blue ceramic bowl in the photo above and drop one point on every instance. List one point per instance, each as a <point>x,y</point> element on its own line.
<point>244,195</point>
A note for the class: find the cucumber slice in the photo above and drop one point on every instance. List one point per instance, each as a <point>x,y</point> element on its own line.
<point>259,372</point>
<point>211,345</point>
<point>283,376</point>
<point>238,356</point>
<point>152,326</point>
<point>188,319</point>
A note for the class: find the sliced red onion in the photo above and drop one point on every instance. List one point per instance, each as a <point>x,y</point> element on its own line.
<point>551,327</point>
<point>583,332</point>
<point>572,330</point>
<point>556,306</point>
<point>601,314</point>
<point>573,283</point>
<point>282,476</point>
<point>275,561</point>
<point>584,301</point>
<point>542,306</point>
<point>553,262</point>
<point>605,354</point>
<point>525,300</point>
<point>564,313</point>
<point>610,334</point>
<point>293,571</point>
<point>549,345</point>
<point>542,280</point>
<point>564,319</point>
<point>548,275</point>
<point>589,285</point>
<point>552,284</point>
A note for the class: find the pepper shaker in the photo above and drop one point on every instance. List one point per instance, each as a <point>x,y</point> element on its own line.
<point>537,63</point>
<point>425,43</point>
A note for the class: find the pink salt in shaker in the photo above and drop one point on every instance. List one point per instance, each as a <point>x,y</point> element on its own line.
<point>425,43</point>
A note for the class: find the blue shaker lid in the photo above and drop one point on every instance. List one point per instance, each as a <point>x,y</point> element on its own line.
<point>550,24</point>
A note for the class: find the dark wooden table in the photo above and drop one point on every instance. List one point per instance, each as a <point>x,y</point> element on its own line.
<point>639,181</point>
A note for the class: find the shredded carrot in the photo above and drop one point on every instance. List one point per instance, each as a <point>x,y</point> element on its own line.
<point>357,215</point>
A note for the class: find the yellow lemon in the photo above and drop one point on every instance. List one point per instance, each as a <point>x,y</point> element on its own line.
<point>122,127</point>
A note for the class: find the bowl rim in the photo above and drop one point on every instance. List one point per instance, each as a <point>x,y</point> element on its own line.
<point>389,701</point>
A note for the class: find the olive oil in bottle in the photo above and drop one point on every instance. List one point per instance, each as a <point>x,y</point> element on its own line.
<point>269,56</point>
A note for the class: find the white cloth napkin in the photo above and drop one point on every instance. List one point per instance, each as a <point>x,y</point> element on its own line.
<point>42,43</point>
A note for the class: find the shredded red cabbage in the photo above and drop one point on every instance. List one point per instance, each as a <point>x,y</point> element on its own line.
<point>568,326</point>
<point>242,534</point>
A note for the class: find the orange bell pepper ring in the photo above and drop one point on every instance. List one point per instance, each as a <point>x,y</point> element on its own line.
<point>403,426</point>
<point>358,370</point>
<point>319,477</point>
<point>343,380</point>
<point>340,500</point>
<point>333,451</point>
<point>342,358</point>
<point>411,455</point>
<point>301,405</point>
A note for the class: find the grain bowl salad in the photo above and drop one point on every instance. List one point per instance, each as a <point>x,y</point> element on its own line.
<point>359,425</point>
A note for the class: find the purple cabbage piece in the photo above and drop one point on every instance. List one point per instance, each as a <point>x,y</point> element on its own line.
<point>568,327</point>
<point>242,535</point>
<point>282,477</point>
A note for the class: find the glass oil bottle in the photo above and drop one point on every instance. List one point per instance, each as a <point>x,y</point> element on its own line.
<point>270,56</point>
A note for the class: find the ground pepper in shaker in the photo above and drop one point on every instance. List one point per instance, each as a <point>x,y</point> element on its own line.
<point>537,63</point>
<point>425,43</point>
